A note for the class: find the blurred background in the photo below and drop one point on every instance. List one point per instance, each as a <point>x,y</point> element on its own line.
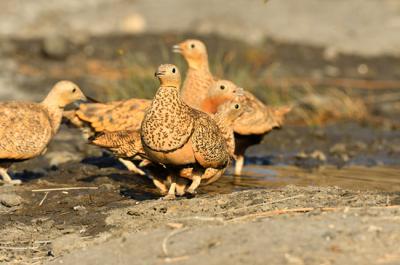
<point>310,53</point>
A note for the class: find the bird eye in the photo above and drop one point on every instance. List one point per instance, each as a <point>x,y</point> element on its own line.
<point>74,90</point>
<point>173,70</point>
<point>222,87</point>
<point>192,46</point>
<point>237,106</point>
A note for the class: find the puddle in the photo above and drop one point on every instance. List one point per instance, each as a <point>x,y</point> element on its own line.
<point>378,178</point>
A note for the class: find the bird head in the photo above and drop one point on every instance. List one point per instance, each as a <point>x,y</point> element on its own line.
<point>194,52</point>
<point>168,75</point>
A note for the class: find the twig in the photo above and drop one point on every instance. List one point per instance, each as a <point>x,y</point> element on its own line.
<point>262,204</point>
<point>175,259</point>
<point>305,210</point>
<point>44,198</point>
<point>168,237</point>
<point>18,248</point>
<point>279,212</point>
<point>66,188</point>
<point>201,218</point>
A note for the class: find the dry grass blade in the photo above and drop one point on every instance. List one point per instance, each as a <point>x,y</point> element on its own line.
<point>44,198</point>
<point>168,237</point>
<point>65,189</point>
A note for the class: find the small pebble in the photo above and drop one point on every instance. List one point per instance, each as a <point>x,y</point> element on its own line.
<point>55,47</point>
<point>10,200</point>
<point>338,149</point>
<point>319,155</point>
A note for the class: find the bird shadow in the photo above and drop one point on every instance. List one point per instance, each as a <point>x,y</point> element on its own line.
<point>257,160</point>
<point>132,186</point>
<point>27,175</point>
<point>103,161</point>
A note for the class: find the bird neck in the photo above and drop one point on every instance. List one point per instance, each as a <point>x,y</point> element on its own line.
<point>200,63</point>
<point>196,86</point>
<point>211,104</point>
<point>54,109</point>
<point>167,97</point>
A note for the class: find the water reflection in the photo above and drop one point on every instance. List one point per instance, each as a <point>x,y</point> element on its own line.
<point>382,178</point>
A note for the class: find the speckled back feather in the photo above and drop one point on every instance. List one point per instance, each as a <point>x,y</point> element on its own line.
<point>114,116</point>
<point>209,144</point>
<point>125,144</point>
<point>25,130</point>
<point>169,123</point>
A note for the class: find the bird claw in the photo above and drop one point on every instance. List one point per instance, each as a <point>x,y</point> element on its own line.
<point>191,191</point>
<point>14,182</point>
<point>169,197</point>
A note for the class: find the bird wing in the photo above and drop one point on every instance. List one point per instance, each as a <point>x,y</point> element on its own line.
<point>25,130</point>
<point>114,116</point>
<point>209,145</point>
<point>125,144</point>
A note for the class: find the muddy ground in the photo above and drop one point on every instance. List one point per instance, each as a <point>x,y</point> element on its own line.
<point>310,194</point>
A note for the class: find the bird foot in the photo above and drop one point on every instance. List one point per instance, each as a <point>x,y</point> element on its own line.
<point>191,191</point>
<point>14,182</point>
<point>169,197</point>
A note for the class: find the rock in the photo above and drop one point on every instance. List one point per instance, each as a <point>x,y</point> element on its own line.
<point>106,186</point>
<point>67,243</point>
<point>10,199</point>
<point>338,149</point>
<point>301,155</point>
<point>319,155</point>
<point>134,23</point>
<point>55,47</point>
<point>360,145</point>
<point>60,157</point>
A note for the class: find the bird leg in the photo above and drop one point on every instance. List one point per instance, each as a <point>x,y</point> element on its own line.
<point>159,183</point>
<point>131,166</point>
<point>209,172</point>
<point>172,188</point>
<point>7,179</point>
<point>239,165</point>
<point>181,184</point>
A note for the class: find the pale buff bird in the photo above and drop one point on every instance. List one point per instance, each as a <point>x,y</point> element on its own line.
<point>198,81</point>
<point>256,121</point>
<point>26,127</point>
<point>198,77</point>
<point>176,135</point>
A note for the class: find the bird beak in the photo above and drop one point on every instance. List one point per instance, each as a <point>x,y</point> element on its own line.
<point>91,100</point>
<point>177,48</point>
<point>159,73</point>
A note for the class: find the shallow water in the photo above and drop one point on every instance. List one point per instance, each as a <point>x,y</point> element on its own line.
<point>354,177</point>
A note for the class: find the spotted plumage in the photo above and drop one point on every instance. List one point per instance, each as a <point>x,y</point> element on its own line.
<point>175,134</point>
<point>111,116</point>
